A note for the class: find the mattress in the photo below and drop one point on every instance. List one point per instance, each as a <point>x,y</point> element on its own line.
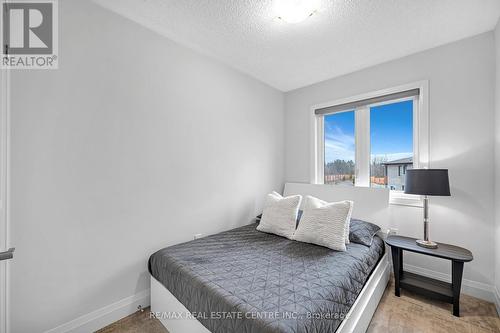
<point>243,280</point>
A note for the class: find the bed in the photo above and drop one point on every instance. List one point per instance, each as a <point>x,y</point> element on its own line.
<point>243,280</point>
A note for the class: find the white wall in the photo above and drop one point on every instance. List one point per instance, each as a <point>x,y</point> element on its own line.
<point>497,166</point>
<point>133,144</point>
<point>461,79</point>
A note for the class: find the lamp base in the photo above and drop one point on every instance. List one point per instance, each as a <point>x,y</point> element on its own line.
<point>427,244</point>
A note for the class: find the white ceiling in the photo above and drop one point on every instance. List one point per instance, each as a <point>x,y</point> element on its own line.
<point>344,36</point>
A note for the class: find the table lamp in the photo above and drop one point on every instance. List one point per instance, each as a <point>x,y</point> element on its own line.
<point>427,182</point>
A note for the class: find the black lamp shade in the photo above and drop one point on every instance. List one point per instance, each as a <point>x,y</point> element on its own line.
<point>427,182</point>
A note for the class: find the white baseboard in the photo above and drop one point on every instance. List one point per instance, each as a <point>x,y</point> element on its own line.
<point>469,287</point>
<point>106,315</point>
<point>497,300</point>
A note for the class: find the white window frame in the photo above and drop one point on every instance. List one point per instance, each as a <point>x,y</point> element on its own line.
<point>421,149</point>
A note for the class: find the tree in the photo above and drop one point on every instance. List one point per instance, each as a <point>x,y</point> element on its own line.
<point>377,166</point>
<point>339,167</point>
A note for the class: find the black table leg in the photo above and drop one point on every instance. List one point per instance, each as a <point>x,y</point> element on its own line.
<point>400,263</point>
<point>457,269</point>
<point>396,262</point>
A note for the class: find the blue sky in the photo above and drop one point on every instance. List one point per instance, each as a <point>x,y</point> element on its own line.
<point>339,136</point>
<point>391,132</point>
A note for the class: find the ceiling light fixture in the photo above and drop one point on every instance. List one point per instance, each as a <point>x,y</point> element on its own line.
<point>295,11</point>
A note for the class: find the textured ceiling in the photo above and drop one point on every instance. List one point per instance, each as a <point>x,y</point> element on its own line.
<point>344,36</point>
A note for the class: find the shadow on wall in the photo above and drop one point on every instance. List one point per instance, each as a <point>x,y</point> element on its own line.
<point>465,182</point>
<point>464,213</point>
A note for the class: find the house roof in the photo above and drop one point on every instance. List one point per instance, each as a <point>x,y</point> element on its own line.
<point>408,160</point>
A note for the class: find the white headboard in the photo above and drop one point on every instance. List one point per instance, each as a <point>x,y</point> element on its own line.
<point>370,204</point>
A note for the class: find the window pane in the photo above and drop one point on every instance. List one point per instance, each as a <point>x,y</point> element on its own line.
<point>391,139</point>
<point>339,148</point>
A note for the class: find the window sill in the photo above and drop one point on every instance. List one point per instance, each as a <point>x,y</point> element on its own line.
<point>401,199</point>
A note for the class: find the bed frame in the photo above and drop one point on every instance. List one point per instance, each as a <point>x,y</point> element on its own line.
<point>370,204</point>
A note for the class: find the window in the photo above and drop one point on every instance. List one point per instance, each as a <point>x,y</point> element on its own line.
<point>339,148</point>
<point>371,140</point>
<point>391,143</point>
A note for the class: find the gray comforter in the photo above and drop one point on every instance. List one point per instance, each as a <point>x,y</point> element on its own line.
<point>243,280</point>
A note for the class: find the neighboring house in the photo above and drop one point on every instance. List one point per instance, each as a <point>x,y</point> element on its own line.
<point>396,173</point>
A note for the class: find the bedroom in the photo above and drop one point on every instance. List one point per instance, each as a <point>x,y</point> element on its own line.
<point>165,121</point>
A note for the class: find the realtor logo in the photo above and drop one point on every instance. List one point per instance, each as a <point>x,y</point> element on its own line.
<point>29,34</point>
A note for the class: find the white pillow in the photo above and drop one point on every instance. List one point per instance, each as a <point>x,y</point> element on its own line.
<point>312,202</point>
<point>325,224</point>
<point>280,215</point>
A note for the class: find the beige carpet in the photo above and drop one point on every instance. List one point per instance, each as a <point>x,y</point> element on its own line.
<point>409,313</point>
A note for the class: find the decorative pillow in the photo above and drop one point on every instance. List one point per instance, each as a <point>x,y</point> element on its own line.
<point>280,215</point>
<point>324,224</point>
<point>362,232</point>
<point>258,217</point>
<point>312,202</point>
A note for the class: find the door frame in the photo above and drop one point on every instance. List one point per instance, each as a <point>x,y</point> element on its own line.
<point>4,196</point>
